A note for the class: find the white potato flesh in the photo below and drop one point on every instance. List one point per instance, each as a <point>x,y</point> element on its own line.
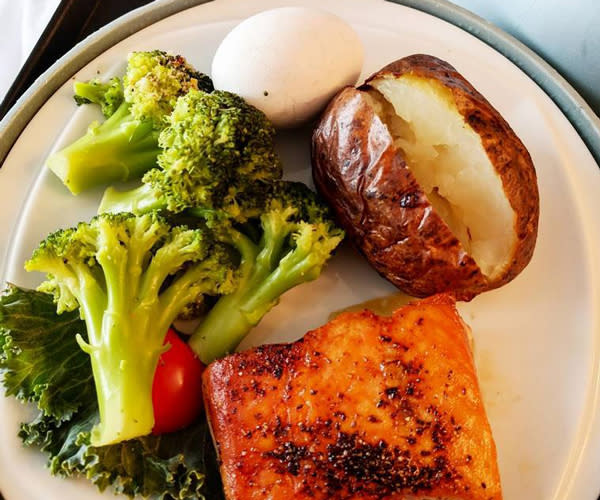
<point>449,162</point>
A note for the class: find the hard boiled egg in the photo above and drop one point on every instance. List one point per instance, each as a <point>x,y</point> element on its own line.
<point>288,62</point>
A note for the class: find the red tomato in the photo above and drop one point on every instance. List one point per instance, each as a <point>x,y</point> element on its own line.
<point>177,387</point>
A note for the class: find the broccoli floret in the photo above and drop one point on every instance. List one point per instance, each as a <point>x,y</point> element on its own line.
<point>154,80</point>
<point>120,148</point>
<point>297,238</point>
<point>129,276</point>
<point>109,95</point>
<point>230,177</point>
<point>218,152</point>
<point>125,145</point>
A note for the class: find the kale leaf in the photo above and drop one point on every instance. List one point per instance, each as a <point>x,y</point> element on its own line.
<point>41,362</point>
<point>39,356</point>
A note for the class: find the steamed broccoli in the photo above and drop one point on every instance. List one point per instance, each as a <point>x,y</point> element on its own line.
<point>129,276</point>
<point>218,152</point>
<point>154,80</point>
<point>297,237</point>
<point>229,176</point>
<point>125,145</point>
<point>108,95</point>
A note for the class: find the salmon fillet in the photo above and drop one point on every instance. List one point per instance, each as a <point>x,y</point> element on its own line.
<point>364,407</point>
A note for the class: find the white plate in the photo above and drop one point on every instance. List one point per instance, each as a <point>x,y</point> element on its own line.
<point>536,339</point>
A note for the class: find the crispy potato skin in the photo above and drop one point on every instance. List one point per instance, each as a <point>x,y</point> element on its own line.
<point>365,407</point>
<point>383,209</point>
<point>379,203</point>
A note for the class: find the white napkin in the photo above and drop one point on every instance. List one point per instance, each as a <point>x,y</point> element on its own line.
<point>21,24</point>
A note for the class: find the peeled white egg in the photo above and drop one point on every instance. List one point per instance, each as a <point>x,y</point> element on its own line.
<point>288,62</point>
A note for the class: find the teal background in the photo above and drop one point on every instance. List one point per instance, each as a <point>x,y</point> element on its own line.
<point>566,33</point>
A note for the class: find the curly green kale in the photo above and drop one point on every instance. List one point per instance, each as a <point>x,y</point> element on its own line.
<point>39,354</point>
<point>41,362</point>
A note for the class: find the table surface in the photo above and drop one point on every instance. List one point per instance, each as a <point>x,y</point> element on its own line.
<point>565,33</point>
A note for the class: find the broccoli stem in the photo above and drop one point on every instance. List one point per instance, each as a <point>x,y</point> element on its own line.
<point>140,200</point>
<point>264,278</point>
<point>124,340</point>
<point>123,371</point>
<point>234,315</point>
<point>118,149</point>
<point>226,324</point>
<point>288,254</point>
<point>123,375</point>
<point>125,353</point>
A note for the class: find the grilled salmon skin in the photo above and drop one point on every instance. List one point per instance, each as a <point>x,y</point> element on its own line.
<point>365,407</point>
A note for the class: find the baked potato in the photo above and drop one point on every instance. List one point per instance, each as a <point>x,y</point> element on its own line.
<point>429,181</point>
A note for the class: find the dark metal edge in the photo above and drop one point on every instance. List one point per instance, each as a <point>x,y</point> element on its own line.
<point>71,22</point>
<point>56,39</point>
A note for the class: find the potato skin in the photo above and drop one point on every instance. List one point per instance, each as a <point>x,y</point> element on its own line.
<point>386,214</point>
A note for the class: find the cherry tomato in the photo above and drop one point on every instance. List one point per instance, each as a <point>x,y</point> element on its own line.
<point>177,387</point>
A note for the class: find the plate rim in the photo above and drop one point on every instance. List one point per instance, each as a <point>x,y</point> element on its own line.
<point>569,101</point>
<point>572,105</point>
<point>87,47</point>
